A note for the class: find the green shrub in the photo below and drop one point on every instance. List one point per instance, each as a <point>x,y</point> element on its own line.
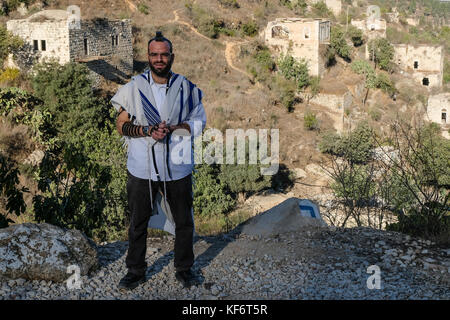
<point>295,70</point>
<point>384,83</point>
<point>8,43</point>
<point>11,195</point>
<point>338,43</point>
<point>143,8</point>
<point>375,114</point>
<point>82,178</point>
<point>355,147</point>
<point>364,68</point>
<point>447,72</point>
<point>310,121</point>
<point>356,35</point>
<point>298,6</point>
<point>230,3</point>
<point>381,52</point>
<point>320,9</point>
<point>210,194</point>
<point>250,28</point>
<point>330,142</point>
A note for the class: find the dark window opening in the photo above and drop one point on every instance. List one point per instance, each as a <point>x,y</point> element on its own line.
<point>35,45</point>
<point>444,117</point>
<point>416,64</point>
<point>115,40</point>
<point>43,48</point>
<point>86,52</point>
<point>425,81</point>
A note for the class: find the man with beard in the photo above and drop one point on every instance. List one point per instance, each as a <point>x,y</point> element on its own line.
<point>159,112</point>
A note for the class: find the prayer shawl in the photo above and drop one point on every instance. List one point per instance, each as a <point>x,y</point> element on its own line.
<point>136,97</point>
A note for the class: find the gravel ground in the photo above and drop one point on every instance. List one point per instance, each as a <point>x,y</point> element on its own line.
<point>317,263</point>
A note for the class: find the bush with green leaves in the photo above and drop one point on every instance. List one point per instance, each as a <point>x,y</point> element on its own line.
<point>310,121</point>
<point>207,22</point>
<point>372,80</point>
<point>230,3</point>
<point>299,6</point>
<point>339,44</point>
<point>262,64</point>
<point>143,8</point>
<point>11,195</point>
<point>320,9</point>
<point>8,43</point>
<point>293,69</point>
<point>211,197</point>
<point>244,179</point>
<point>446,72</point>
<point>381,52</point>
<point>285,91</point>
<point>421,180</point>
<point>82,178</point>
<point>356,147</point>
<point>356,35</point>
<point>250,28</point>
<point>67,94</point>
<point>21,107</point>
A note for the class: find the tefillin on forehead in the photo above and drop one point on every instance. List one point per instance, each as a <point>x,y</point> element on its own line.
<point>159,37</point>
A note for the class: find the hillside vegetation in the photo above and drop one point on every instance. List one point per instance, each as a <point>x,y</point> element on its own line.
<point>217,46</point>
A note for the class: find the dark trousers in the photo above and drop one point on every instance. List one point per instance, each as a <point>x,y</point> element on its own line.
<point>179,197</point>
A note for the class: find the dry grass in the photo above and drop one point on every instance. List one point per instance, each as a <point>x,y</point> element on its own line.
<point>15,142</point>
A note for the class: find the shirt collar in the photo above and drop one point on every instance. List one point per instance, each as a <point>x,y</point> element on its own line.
<point>152,82</point>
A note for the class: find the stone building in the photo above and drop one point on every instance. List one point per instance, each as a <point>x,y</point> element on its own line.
<point>302,38</point>
<point>104,45</point>
<point>372,28</point>
<point>424,63</point>
<point>438,109</point>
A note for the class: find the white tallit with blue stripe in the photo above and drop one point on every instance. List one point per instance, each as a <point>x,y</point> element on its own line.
<point>136,97</point>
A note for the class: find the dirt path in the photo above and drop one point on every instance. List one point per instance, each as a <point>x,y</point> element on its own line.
<point>131,5</point>
<point>229,45</point>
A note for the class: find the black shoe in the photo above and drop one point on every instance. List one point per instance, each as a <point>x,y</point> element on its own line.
<point>185,277</point>
<point>131,281</point>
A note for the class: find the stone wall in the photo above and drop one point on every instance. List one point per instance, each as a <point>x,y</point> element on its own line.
<point>54,33</point>
<point>302,38</point>
<point>421,62</point>
<point>336,105</point>
<point>105,46</point>
<point>437,106</point>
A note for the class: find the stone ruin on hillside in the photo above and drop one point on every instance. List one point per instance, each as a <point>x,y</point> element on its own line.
<point>302,38</point>
<point>103,45</point>
<point>424,63</point>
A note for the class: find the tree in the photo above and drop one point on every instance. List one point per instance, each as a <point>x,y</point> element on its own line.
<point>11,195</point>
<point>293,69</point>
<point>408,180</point>
<point>82,178</point>
<point>8,43</point>
<point>210,194</point>
<point>381,52</point>
<point>421,171</point>
<point>339,44</point>
<point>356,35</point>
